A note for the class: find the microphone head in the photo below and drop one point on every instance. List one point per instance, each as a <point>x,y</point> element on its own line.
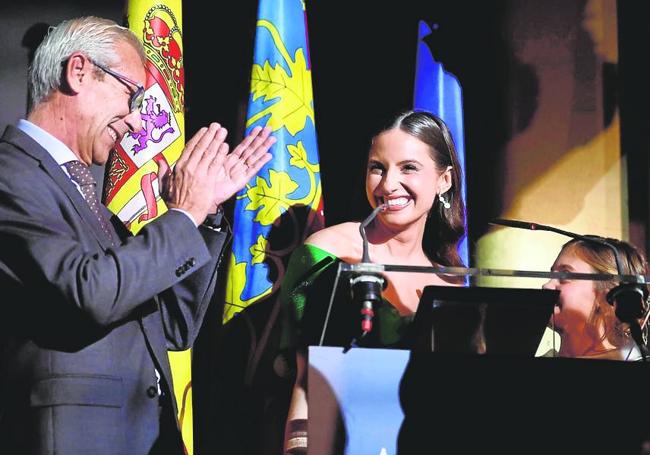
<point>366,291</point>
<point>514,224</point>
<point>368,286</point>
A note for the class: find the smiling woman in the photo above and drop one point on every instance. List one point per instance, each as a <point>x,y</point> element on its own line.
<point>412,170</point>
<point>587,323</point>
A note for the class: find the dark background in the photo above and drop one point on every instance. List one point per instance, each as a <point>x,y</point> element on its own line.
<point>363,62</point>
<point>363,65</point>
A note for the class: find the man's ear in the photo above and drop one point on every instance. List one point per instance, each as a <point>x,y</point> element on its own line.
<point>444,182</point>
<point>76,73</point>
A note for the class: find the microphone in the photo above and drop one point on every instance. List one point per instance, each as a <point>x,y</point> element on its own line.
<point>627,298</point>
<point>542,227</point>
<point>366,286</point>
<point>365,257</point>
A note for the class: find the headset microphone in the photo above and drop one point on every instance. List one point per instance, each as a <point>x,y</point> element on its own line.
<point>627,298</point>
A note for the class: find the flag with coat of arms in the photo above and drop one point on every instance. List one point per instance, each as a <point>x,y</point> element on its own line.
<point>131,181</point>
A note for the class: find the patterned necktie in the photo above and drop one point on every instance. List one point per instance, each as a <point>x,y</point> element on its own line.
<point>81,174</point>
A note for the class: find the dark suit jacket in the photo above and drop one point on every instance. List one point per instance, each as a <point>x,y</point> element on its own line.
<point>84,325</point>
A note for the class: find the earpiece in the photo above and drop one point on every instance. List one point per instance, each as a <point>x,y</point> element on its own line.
<point>629,301</point>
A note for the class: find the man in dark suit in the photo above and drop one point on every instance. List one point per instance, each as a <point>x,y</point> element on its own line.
<point>89,311</point>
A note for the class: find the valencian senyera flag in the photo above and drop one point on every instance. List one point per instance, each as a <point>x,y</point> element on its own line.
<point>131,184</point>
<point>283,204</point>
<point>439,92</point>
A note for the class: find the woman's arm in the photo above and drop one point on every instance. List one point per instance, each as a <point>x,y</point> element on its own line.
<point>295,431</point>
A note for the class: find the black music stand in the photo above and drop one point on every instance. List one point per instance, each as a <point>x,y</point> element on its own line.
<point>483,404</point>
<point>508,401</point>
<point>499,321</point>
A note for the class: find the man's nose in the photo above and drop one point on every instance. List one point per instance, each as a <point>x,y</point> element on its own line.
<point>134,121</point>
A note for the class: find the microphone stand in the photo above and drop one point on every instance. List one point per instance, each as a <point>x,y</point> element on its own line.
<point>627,298</point>
<point>542,227</point>
<point>366,286</point>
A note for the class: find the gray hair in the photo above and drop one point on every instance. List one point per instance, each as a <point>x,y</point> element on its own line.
<point>93,36</point>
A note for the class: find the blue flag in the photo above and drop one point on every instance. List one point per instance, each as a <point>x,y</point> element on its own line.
<point>283,204</point>
<point>439,92</point>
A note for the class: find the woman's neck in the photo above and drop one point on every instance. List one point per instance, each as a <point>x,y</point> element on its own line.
<point>582,345</point>
<point>401,246</point>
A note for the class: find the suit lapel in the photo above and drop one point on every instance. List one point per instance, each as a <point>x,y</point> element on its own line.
<point>150,322</point>
<point>50,167</point>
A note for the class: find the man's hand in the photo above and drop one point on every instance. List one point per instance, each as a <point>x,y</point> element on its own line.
<point>191,186</point>
<point>206,175</point>
<point>234,170</point>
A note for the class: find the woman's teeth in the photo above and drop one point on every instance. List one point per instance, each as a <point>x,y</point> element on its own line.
<point>397,202</point>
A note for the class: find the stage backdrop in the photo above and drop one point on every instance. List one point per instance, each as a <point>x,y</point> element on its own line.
<point>283,204</point>
<point>563,164</point>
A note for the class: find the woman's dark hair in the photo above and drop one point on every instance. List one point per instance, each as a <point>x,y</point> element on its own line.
<point>444,227</point>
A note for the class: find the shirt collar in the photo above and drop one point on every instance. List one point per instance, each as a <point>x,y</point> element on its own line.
<point>57,149</point>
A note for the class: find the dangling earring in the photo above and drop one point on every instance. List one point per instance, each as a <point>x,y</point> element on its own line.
<point>444,202</point>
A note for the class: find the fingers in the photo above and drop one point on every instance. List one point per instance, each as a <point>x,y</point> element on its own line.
<point>254,168</point>
<point>164,180</point>
<point>249,170</point>
<point>205,141</point>
<point>252,142</point>
<point>258,141</point>
<point>219,158</point>
<point>239,150</point>
<point>209,141</point>
<point>190,145</point>
<point>245,157</point>
<point>213,149</point>
<point>206,147</point>
<point>206,159</point>
<point>261,151</point>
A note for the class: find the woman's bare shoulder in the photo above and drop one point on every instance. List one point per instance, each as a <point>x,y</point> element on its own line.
<point>343,240</point>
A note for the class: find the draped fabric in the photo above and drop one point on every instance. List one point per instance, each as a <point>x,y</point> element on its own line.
<point>131,181</point>
<point>283,204</point>
<point>439,92</point>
